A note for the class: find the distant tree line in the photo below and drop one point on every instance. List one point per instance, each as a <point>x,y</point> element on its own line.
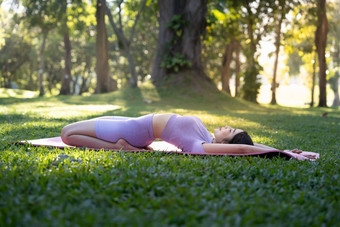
<point>76,46</point>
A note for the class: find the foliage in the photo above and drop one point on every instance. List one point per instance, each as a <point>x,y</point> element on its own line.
<point>226,20</point>
<point>46,186</point>
<point>18,46</point>
<point>174,61</point>
<point>252,84</point>
<point>43,14</point>
<point>12,56</point>
<point>145,38</point>
<point>299,42</point>
<point>223,26</point>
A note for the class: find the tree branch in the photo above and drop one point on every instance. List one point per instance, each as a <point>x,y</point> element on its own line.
<point>136,20</point>
<point>120,15</point>
<point>118,32</point>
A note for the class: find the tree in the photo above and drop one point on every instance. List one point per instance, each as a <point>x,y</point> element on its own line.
<point>181,25</point>
<point>74,13</point>
<point>104,81</point>
<point>225,28</point>
<point>84,52</point>
<point>15,48</point>
<point>320,43</point>
<point>237,68</point>
<point>281,13</point>
<point>334,46</point>
<point>126,42</point>
<point>12,56</point>
<point>67,76</point>
<point>41,14</point>
<point>299,44</point>
<point>81,28</point>
<point>257,18</point>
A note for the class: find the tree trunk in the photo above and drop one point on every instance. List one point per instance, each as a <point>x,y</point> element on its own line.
<point>166,11</point>
<point>226,61</point>
<point>188,44</point>
<point>84,87</point>
<point>67,77</point>
<point>335,82</point>
<point>250,29</point>
<point>6,79</point>
<point>237,67</point>
<point>191,47</point>
<point>313,80</point>
<point>132,68</point>
<point>104,81</point>
<point>336,101</point>
<point>321,42</point>
<point>42,63</point>
<point>277,52</point>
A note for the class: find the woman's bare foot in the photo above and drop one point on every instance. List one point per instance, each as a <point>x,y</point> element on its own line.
<point>123,144</point>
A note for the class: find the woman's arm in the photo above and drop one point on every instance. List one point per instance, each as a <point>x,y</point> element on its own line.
<point>267,148</point>
<point>219,148</point>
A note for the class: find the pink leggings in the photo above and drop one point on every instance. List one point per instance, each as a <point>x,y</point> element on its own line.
<point>136,131</point>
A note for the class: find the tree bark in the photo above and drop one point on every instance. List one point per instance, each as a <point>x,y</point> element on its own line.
<point>67,77</point>
<point>191,47</point>
<point>104,81</point>
<point>189,44</point>
<point>166,11</point>
<point>320,43</point>
<point>42,63</point>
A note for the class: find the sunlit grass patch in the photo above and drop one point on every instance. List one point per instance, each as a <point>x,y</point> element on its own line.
<point>4,92</point>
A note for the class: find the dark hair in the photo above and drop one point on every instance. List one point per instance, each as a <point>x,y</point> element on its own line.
<point>240,138</point>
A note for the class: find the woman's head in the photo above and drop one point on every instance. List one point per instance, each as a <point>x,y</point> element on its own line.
<point>232,136</point>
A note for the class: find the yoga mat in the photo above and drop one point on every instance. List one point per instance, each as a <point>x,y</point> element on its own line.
<point>162,146</point>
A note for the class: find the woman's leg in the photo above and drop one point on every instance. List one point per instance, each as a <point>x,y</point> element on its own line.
<point>82,134</point>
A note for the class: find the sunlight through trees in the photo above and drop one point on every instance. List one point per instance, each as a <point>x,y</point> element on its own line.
<point>72,47</point>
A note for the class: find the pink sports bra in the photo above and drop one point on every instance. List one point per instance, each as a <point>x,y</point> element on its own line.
<point>187,133</point>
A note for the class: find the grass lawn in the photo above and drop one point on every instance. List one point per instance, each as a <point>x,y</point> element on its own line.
<point>105,188</point>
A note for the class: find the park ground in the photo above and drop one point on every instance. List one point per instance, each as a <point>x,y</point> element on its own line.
<point>105,188</point>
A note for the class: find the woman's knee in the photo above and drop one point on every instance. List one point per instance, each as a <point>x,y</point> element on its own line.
<point>65,134</point>
<point>86,128</point>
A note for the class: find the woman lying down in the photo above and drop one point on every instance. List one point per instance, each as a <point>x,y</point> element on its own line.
<point>186,132</point>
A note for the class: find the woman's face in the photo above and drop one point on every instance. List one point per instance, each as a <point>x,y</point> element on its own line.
<point>225,133</point>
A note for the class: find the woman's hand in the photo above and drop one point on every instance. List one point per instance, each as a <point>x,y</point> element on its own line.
<point>300,152</point>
